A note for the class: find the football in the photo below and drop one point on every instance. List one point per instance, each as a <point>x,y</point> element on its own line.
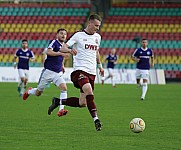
<point>137,125</point>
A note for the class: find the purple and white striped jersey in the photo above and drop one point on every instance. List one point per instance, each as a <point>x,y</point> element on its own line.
<point>24,57</point>
<point>54,63</point>
<point>111,59</point>
<point>144,56</point>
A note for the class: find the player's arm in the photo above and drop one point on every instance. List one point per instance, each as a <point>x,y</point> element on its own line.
<point>32,59</point>
<point>135,59</point>
<point>116,61</point>
<point>65,49</point>
<point>15,63</point>
<point>101,70</point>
<point>105,61</point>
<point>63,67</point>
<point>50,52</point>
<point>134,56</point>
<point>152,61</point>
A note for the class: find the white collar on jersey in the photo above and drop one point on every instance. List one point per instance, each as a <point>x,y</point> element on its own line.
<point>25,49</point>
<point>144,49</point>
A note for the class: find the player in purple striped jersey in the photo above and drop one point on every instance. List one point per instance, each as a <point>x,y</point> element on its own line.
<point>53,70</point>
<point>24,55</point>
<point>111,60</point>
<point>142,57</point>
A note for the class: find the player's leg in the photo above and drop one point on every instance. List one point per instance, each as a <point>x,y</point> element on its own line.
<point>25,83</point>
<point>60,83</point>
<point>71,101</point>
<point>22,80</point>
<point>138,78</point>
<point>63,90</point>
<point>105,78</point>
<point>144,89</point>
<point>33,91</point>
<point>22,86</point>
<point>44,80</point>
<point>19,85</point>
<point>145,76</point>
<point>88,87</point>
<point>25,80</point>
<point>111,76</point>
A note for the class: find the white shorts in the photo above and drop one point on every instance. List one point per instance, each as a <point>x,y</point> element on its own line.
<point>110,71</point>
<point>144,74</point>
<point>23,73</point>
<point>48,76</point>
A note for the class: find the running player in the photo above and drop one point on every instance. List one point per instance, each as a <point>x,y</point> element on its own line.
<point>86,42</point>
<point>52,72</point>
<point>111,60</point>
<point>24,55</point>
<point>142,57</point>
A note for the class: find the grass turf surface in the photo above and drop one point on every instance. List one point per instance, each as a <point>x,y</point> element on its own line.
<point>26,125</point>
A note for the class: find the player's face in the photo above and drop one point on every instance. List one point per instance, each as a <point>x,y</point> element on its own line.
<point>144,43</point>
<point>25,45</point>
<point>62,35</point>
<point>113,51</point>
<point>94,26</point>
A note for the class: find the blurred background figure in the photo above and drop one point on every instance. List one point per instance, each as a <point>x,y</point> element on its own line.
<point>24,55</point>
<point>111,60</point>
<point>144,58</point>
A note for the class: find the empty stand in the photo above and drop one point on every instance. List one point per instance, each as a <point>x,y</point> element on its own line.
<point>38,24</point>
<point>159,23</point>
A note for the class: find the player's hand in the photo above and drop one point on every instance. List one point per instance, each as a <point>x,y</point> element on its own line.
<point>137,59</point>
<point>63,69</point>
<point>15,65</point>
<point>73,52</point>
<point>101,72</point>
<point>65,55</point>
<point>152,65</point>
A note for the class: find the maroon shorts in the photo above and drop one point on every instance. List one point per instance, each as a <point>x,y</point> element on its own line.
<point>79,78</point>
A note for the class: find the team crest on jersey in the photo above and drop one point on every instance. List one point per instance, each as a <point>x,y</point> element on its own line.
<point>141,52</point>
<point>96,40</point>
<point>27,54</point>
<point>81,76</point>
<point>148,53</point>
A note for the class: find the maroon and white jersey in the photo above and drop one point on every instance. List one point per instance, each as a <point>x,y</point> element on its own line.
<point>86,45</point>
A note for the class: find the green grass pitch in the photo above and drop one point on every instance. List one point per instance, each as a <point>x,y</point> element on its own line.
<point>26,124</point>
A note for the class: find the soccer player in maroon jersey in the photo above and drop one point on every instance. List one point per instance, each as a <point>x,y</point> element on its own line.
<point>87,43</point>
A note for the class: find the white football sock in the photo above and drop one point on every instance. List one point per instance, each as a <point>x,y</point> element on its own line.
<point>19,83</point>
<point>32,91</point>
<point>138,85</point>
<point>144,89</point>
<point>23,88</point>
<point>63,95</point>
<point>95,118</point>
<point>113,83</point>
